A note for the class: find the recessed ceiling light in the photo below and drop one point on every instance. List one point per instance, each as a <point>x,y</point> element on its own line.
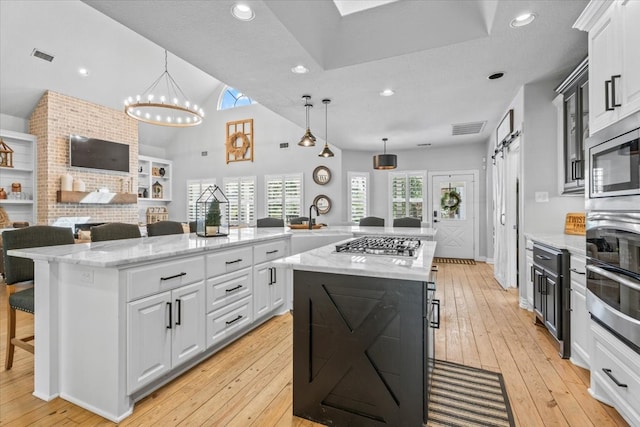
<point>522,20</point>
<point>300,69</point>
<point>387,92</point>
<point>83,72</point>
<point>242,12</point>
<point>495,76</point>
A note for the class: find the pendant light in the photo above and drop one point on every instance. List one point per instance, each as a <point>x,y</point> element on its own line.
<point>168,107</point>
<point>326,151</point>
<point>307,140</point>
<point>385,161</point>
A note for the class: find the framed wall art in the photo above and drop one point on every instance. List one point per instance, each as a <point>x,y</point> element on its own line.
<point>239,141</point>
<point>505,128</point>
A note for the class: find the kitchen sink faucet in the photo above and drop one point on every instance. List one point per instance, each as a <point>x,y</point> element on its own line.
<point>317,213</point>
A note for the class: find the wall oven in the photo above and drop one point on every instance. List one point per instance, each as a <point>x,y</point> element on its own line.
<point>613,273</point>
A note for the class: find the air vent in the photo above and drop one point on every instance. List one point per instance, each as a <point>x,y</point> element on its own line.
<point>40,54</point>
<point>467,128</point>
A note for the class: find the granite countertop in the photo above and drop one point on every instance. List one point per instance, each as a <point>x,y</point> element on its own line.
<point>326,260</point>
<point>574,244</point>
<point>122,253</point>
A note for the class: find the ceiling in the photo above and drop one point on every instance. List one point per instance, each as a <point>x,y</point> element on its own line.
<point>435,55</point>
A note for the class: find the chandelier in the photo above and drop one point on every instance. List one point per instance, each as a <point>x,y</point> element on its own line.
<point>385,161</point>
<point>307,140</point>
<point>163,103</point>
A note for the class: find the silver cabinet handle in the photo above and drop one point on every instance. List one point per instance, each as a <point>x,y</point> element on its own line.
<point>613,91</point>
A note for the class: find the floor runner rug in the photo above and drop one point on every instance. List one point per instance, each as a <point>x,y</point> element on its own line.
<point>465,396</point>
<point>454,261</point>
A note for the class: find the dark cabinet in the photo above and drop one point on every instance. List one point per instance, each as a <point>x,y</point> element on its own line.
<point>551,293</point>
<point>575,92</point>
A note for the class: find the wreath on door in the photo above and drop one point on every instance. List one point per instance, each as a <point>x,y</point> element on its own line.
<point>450,201</point>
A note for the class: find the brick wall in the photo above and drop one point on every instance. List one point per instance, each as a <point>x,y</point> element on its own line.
<point>54,118</point>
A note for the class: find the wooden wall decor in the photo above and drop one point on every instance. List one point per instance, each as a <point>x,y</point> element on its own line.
<point>239,141</point>
<point>6,155</point>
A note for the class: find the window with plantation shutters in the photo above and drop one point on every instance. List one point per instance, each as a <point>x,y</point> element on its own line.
<point>241,192</point>
<point>195,187</point>
<point>408,194</point>
<point>358,194</point>
<point>283,196</point>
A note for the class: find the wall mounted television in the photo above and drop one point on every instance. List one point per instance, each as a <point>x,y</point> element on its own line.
<point>96,153</point>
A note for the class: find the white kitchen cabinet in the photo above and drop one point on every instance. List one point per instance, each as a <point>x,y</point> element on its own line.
<point>615,374</point>
<point>269,281</point>
<point>229,321</point>
<point>164,331</point>
<point>580,319</point>
<point>20,206</point>
<point>614,64</point>
<point>152,170</point>
<point>526,296</point>
<point>269,289</point>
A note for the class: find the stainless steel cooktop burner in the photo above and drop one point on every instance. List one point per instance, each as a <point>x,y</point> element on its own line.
<point>381,245</point>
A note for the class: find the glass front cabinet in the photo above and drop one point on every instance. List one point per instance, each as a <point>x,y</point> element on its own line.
<point>574,116</point>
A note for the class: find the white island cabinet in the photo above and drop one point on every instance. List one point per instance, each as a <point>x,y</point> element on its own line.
<point>116,320</point>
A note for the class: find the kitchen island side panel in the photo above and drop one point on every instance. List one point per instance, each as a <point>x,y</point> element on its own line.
<point>358,350</point>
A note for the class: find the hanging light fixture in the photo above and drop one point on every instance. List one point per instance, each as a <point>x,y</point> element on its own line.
<point>326,151</point>
<point>307,140</point>
<point>170,108</point>
<point>385,161</point>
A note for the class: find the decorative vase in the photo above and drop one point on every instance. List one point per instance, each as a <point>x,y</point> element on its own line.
<point>161,171</point>
<point>66,182</point>
<point>78,185</point>
<point>3,194</point>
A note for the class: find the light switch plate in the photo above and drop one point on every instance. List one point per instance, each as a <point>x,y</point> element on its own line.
<point>542,197</point>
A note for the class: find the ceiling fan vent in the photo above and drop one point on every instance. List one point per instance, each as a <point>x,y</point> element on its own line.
<point>467,128</point>
<point>40,54</point>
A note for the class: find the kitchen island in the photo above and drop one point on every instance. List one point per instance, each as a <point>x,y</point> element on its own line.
<point>116,320</point>
<point>363,336</point>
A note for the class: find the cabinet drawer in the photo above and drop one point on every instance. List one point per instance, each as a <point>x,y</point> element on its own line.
<point>228,288</point>
<point>268,251</point>
<point>228,320</point>
<point>228,261</point>
<point>623,365</point>
<point>163,276</point>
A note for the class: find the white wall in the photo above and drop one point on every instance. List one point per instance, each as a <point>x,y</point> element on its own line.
<point>270,130</point>
<point>539,167</point>
<point>431,159</point>
<point>13,123</point>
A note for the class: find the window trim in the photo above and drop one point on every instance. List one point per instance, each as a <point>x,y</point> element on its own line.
<point>208,181</point>
<point>366,176</point>
<point>283,177</point>
<point>422,174</point>
<point>221,98</point>
<point>239,180</point>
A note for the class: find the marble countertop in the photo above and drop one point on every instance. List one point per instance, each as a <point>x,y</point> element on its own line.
<point>356,230</point>
<point>326,260</point>
<point>574,244</point>
<point>121,253</point>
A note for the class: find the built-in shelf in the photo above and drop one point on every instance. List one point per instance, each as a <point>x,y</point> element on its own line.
<point>96,197</point>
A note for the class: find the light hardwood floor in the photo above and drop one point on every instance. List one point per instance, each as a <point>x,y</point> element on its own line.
<point>249,382</point>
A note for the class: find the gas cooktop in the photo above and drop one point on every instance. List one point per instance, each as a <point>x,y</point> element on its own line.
<point>381,245</point>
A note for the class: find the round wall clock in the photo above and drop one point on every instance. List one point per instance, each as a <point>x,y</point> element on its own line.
<point>323,203</point>
<point>321,175</point>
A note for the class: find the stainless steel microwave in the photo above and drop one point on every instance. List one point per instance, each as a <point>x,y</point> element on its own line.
<point>613,158</point>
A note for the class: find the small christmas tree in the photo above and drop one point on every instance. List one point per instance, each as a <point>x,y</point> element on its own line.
<point>213,214</point>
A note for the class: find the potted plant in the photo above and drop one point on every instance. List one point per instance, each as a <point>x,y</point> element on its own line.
<point>212,220</point>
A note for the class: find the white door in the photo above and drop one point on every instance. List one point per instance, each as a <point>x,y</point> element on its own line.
<point>453,215</point>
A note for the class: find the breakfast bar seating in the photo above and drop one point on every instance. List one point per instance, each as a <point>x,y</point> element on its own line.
<point>20,272</point>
